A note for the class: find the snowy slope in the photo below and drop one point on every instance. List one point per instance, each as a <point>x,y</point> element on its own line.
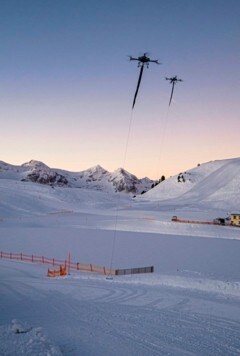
<point>215,183</point>
<point>17,338</point>
<point>190,305</point>
<point>138,315</point>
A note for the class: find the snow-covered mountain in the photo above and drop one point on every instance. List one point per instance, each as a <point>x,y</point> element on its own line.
<point>96,177</point>
<point>216,182</point>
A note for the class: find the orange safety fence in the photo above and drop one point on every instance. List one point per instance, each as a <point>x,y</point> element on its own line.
<point>56,262</point>
<point>62,271</point>
<point>94,268</point>
<point>32,258</point>
<point>68,265</point>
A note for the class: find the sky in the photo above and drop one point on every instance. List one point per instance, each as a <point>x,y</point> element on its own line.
<point>67,84</point>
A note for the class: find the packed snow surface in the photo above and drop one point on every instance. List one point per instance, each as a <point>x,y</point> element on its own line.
<point>190,305</point>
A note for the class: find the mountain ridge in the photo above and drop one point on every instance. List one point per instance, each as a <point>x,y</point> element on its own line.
<point>96,177</point>
<point>211,185</point>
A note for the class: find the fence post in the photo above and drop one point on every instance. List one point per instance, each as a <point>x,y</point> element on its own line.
<point>10,255</point>
<point>53,261</point>
<point>69,263</point>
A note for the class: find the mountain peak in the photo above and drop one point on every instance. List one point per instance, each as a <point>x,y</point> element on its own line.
<point>35,164</point>
<point>97,169</point>
<point>123,172</point>
<point>96,177</point>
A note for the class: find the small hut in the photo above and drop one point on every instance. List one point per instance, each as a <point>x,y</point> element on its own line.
<point>235,219</point>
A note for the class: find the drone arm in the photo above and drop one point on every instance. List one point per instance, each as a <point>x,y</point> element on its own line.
<point>154,61</point>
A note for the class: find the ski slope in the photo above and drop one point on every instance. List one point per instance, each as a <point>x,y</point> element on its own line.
<point>89,315</point>
<point>214,184</point>
<point>190,305</point>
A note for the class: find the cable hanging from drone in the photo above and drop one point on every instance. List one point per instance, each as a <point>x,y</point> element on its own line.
<point>142,61</point>
<point>173,81</point>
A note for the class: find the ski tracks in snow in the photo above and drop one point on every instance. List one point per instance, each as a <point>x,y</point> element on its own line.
<point>87,315</point>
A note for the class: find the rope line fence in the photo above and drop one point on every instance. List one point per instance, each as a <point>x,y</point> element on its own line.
<point>69,265</point>
<point>56,262</point>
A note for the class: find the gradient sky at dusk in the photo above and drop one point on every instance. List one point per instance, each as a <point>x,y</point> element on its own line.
<point>67,85</point>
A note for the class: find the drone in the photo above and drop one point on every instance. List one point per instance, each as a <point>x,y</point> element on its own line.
<point>142,61</point>
<point>173,81</point>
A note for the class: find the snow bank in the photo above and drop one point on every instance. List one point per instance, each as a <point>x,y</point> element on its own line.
<point>197,283</point>
<point>21,339</point>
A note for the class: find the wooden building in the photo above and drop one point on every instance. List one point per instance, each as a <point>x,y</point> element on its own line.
<point>235,219</point>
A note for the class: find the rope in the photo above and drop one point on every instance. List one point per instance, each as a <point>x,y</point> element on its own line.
<point>119,195</point>
<point>162,139</point>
